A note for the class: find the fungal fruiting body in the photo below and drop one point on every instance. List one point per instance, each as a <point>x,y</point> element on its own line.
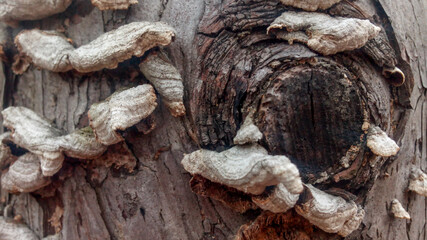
<point>24,175</point>
<point>19,10</point>
<point>310,5</point>
<point>113,4</point>
<point>46,49</point>
<point>323,33</point>
<point>51,51</point>
<point>398,211</point>
<point>247,168</point>
<point>380,144</point>
<point>37,135</point>
<point>330,213</point>
<point>120,111</point>
<point>158,69</point>
<point>10,230</point>
<point>279,200</point>
<point>82,144</point>
<point>418,182</point>
<point>248,132</point>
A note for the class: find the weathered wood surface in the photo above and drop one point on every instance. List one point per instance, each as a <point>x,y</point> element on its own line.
<point>229,66</point>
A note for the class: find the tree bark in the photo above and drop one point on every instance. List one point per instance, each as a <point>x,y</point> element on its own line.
<point>227,62</point>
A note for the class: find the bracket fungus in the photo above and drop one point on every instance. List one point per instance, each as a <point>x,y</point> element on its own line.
<point>418,182</point>
<point>113,4</point>
<point>278,201</point>
<point>120,111</point>
<point>53,52</point>
<point>10,230</point>
<point>248,132</point>
<point>310,5</point>
<point>158,69</point>
<point>37,135</point>
<point>247,168</point>
<point>330,213</point>
<point>381,144</point>
<point>19,10</point>
<point>398,211</point>
<point>323,33</point>
<point>24,175</point>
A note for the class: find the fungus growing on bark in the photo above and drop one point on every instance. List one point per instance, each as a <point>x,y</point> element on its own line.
<point>310,5</point>
<point>248,132</point>
<point>330,213</point>
<point>36,134</point>
<point>247,168</point>
<point>395,76</point>
<point>113,4</point>
<point>46,49</point>
<point>323,33</point>
<point>380,144</point>
<point>24,175</point>
<point>51,51</point>
<point>418,182</point>
<point>398,211</point>
<point>19,10</point>
<point>278,201</point>
<point>10,230</point>
<point>120,111</point>
<point>158,69</point>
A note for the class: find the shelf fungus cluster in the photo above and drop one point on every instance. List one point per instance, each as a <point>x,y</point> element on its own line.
<point>381,144</point>
<point>51,51</point>
<point>37,135</point>
<point>158,69</point>
<point>19,10</point>
<point>418,182</point>
<point>323,33</point>
<point>310,5</point>
<point>250,169</point>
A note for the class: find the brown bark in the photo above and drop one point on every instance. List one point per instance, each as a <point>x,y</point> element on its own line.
<point>230,66</point>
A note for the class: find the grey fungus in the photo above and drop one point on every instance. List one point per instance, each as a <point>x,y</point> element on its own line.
<point>51,51</point>
<point>120,111</point>
<point>10,230</point>
<point>394,75</point>
<point>330,213</point>
<point>19,10</point>
<point>418,182</point>
<point>323,33</point>
<point>398,211</point>
<point>247,168</point>
<point>310,5</point>
<point>24,175</point>
<point>46,49</point>
<point>159,70</point>
<point>381,144</point>
<point>37,135</point>
<point>278,201</point>
<point>248,132</point>
<point>113,4</point>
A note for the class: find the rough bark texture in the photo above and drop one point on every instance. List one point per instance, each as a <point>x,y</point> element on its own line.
<point>308,107</point>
